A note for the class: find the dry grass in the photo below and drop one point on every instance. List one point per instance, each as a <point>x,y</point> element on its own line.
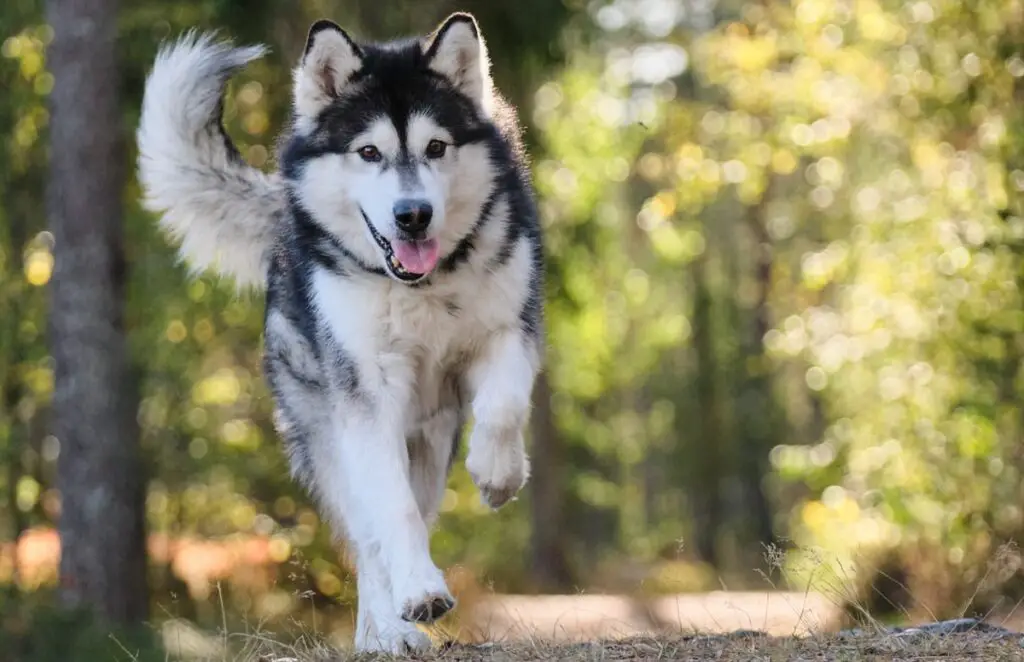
<point>584,627</point>
<point>884,647</point>
<point>739,646</point>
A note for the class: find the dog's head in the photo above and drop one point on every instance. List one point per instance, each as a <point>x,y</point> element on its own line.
<point>391,150</point>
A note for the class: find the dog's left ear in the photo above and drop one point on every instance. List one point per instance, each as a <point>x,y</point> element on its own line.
<point>456,50</point>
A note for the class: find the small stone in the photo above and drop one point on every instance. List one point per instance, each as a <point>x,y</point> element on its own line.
<point>963,626</point>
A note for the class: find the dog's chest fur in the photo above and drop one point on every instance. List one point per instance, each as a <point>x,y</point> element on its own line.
<point>423,337</point>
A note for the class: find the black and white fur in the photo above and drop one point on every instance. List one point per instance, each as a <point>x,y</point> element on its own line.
<point>374,369</point>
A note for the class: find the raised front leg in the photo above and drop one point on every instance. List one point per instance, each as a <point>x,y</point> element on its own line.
<point>501,380</point>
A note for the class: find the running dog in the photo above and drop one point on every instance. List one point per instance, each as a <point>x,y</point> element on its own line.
<point>400,252</point>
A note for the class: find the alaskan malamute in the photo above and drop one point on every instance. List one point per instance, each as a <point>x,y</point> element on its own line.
<point>400,251</point>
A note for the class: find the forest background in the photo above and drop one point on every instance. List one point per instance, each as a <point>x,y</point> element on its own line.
<point>785,248</point>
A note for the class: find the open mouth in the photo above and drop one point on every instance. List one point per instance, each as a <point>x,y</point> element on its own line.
<point>408,261</point>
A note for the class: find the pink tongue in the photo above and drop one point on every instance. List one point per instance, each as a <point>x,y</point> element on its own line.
<point>418,257</point>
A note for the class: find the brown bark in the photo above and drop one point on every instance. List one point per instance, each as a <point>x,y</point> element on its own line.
<point>101,526</point>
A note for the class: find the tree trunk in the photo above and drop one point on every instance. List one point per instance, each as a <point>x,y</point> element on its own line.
<point>707,458</point>
<point>549,568</point>
<point>102,566</point>
<point>757,415</point>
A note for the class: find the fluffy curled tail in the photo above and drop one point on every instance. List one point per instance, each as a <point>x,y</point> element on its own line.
<point>221,210</point>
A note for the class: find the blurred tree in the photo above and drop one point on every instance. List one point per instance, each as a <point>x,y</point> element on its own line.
<point>103,564</point>
<point>550,569</point>
<point>706,478</point>
<point>893,213</point>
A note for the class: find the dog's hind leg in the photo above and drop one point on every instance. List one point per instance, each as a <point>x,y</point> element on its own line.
<point>430,457</point>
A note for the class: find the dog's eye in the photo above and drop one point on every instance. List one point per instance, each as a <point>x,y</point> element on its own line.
<point>370,154</point>
<point>436,149</point>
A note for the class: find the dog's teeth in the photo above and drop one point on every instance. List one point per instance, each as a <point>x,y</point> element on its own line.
<point>396,265</point>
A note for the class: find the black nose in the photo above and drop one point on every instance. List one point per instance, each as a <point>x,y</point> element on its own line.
<point>413,216</point>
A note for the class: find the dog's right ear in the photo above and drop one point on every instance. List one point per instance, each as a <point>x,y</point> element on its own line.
<point>328,62</point>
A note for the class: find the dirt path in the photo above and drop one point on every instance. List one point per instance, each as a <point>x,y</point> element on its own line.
<point>585,617</point>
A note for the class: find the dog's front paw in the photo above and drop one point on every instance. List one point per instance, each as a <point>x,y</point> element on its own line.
<point>499,468</point>
<point>395,637</point>
<point>423,599</point>
<point>428,608</point>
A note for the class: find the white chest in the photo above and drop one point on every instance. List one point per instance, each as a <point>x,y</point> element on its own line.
<point>398,336</point>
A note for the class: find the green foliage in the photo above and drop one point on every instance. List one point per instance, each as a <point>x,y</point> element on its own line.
<point>850,171</point>
<point>785,300</point>
<point>899,118</point>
